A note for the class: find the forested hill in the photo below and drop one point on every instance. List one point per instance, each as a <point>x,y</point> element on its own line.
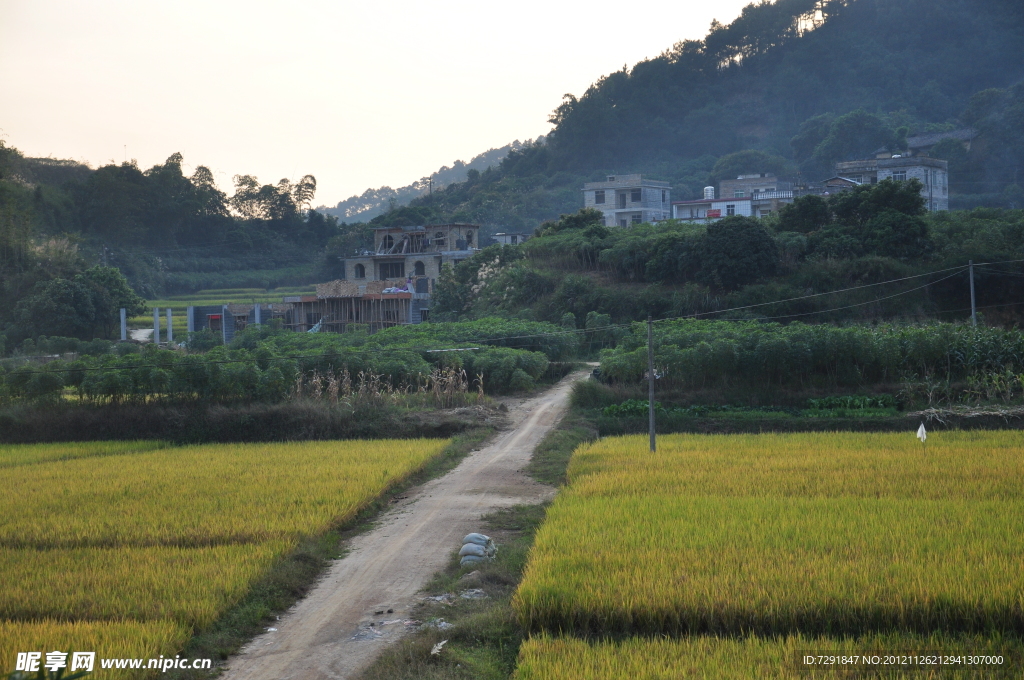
<point>802,82</point>
<point>373,202</point>
<point>752,83</point>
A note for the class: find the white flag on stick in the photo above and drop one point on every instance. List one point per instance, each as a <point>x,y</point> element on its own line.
<point>922,434</point>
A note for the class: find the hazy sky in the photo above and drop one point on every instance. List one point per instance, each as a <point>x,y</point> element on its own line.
<point>359,94</point>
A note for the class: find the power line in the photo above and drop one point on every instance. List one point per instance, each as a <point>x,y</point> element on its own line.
<point>505,339</point>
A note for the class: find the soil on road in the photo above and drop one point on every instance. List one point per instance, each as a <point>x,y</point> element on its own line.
<point>327,635</point>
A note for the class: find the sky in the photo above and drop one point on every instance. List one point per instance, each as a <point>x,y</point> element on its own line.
<point>358,94</point>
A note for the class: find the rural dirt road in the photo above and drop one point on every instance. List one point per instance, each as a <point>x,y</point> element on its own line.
<point>327,635</point>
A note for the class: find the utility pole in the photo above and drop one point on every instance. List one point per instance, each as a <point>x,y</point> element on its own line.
<point>974,311</point>
<point>650,381</point>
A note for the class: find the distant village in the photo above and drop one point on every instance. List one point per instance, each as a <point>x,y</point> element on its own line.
<point>392,284</point>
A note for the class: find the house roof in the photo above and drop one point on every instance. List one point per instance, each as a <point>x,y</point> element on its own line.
<point>712,200</point>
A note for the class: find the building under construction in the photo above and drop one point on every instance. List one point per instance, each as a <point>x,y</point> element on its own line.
<point>339,304</point>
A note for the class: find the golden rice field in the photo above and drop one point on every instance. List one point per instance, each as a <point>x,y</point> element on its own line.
<point>832,533</point>
<point>22,454</point>
<point>109,639</point>
<point>98,545</point>
<point>545,658</point>
<point>760,539</point>
<point>202,495</point>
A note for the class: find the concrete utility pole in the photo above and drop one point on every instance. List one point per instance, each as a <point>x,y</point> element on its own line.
<point>650,381</point>
<point>170,331</point>
<point>124,324</point>
<point>156,325</point>
<point>974,311</point>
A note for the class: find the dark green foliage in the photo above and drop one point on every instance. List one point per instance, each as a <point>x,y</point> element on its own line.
<point>761,355</point>
<point>804,215</point>
<point>83,307</point>
<point>749,161</point>
<point>737,251</point>
<point>263,363</point>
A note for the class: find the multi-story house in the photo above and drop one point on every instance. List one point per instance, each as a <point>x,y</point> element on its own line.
<point>390,285</point>
<point>626,200</point>
<point>933,174</point>
<point>748,195</point>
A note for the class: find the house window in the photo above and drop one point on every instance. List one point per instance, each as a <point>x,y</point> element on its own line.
<point>599,197</point>
<point>664,195</point>
<point>738,194</point>
<point>392,270</point>
<point>900,175</point>
<point>623,223</point>
<point>634,195</point>
<point>360,271</point>
<point>420,269</point>
<point>387,243</point>
<point>622,200</point>
<point>469,237</point>
<point>730,209</point>
<point>637,218</point>
<point>424,315</point>
<point>439,239</point>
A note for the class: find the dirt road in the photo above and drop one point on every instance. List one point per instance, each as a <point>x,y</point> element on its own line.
<point>327,635</point>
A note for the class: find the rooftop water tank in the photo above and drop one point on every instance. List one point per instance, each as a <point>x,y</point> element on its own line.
<point>709,193</point>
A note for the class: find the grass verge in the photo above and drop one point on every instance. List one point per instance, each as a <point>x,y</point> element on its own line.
<point>291,578</point>
<point>483,635</point>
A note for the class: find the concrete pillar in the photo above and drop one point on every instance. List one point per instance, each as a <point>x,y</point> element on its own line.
<point>124,324</point>
<point>170,331</point>
<point>258,318</point>
<point>224,323</point>
<point>190,318</point>
<point>156,325</point>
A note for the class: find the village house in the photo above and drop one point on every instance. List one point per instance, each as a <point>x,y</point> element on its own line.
<point>388,286</point>
<point>626,200</point>
<point>511,238</point>
<point>755,195</point>
<point>933,173</point>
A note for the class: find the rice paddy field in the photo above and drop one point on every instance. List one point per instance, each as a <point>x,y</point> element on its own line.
<point>127,548</point>
<point>179,303</point>
<point>739,547</point>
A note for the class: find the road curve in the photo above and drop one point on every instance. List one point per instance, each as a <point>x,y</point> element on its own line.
<point>327,634</point>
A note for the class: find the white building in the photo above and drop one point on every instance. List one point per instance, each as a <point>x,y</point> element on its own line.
<point>711,209</point>
<point>626,200</point>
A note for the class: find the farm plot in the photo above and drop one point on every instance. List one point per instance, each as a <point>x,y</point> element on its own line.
<point>23,454</point>
<point>834,535</point>
<point>160,542</point>
<point>546,658</point>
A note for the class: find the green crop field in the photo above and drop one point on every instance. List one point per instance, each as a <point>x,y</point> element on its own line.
<point>833,535</point>
<point>127,548</point>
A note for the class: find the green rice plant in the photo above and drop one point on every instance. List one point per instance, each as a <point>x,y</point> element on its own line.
<point>24,454</point>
